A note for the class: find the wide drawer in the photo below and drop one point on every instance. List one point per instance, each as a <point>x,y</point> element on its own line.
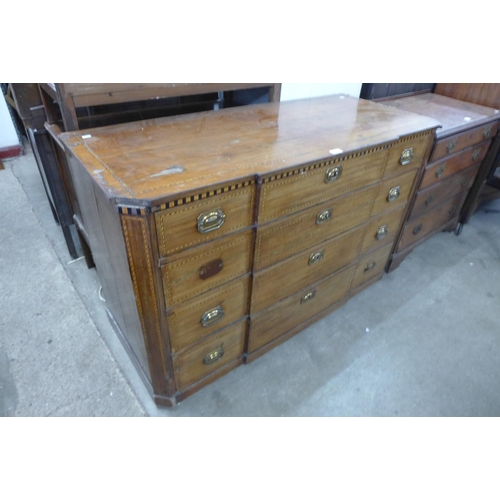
<point>285,278</point>
<point>455,143</point>
<point>200,221</point>
<point>209,355</point>
<point>408,153</point>
<point>394,191</point>
<point>287,314</point>
<point>382,229</point>
<point>204,267</point>
<point>451,165</point>
<point>428,198</point>
<point>420,227</point>
<point>281,239</point>
<point>199,317</point>
<point>370,265</point>
<point>289,192</point>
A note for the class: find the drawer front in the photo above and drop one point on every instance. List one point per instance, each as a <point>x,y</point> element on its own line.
<point>280,318</point>
<point>451,165</point>
<point>371,265</point>
<point>287,277</point>
<point>420,227</point>
<point>431,197</point>
<point>210,355</point>
<point>204,220</point>
<point>285,194</point>
<point>195,319</point>
<point>286,237</point>
<point>407,154</point>
<point>393,192</point>
<point>202,268</point>
<point>382,229</point>
<point>456,143</point>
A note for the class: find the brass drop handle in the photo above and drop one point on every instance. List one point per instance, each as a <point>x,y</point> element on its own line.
<point>371,265</point>
<point>212,317</point>
<point>429,199</point>
<point>316,257</point>
<point>213,356</point>
<point>465,180</point>
<point>417,229</point>
<point>406,156</point>
<point>476,154</point>
<point>308,296</point>
<point>324,216</point>
<point>211,220</point>
<point>394,194</point>
<point>440,170</point>
<point>333,173</point>
<point>451,145</point>
<point>381,232</point>
<point>453,210</point>
<point>487,131</point>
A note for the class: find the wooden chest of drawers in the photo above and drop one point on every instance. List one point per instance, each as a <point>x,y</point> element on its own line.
<point>461,144</point>
<point>218,235</point>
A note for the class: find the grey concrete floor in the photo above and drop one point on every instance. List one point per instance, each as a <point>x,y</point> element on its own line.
<point>423,341</point>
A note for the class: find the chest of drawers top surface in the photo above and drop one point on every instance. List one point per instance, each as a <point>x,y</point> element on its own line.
<point>155,160</point>
<point>453,115</point>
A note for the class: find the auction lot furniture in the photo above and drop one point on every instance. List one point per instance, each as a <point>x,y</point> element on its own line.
<point>218,235</point>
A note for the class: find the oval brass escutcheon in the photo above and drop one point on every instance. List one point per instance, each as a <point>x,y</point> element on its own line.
<point>429,199</point>
<point>211,220</point>
<point>487,131</point>
<point>476,154</point>
<point>417,229</point>
<point>210,269</point>
<point>333,173</point>
<point>316,257</point>
<point>213,356</point>
<point>308,296</point>
<point>324,216</point>
<point>394,194</point>
<point>440,169</point>
<point>371,265</point>
<point>451,145</point>
<point>406,156</point>
<point>381,232</point>
<point>212,317</point>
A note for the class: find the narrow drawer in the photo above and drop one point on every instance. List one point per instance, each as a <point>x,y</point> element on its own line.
<point>370,265</point>
<point>288,236</point>
<point>393,192</point>
<point>197,318</point>
<point>287,314</point>
<point>204,267</point>
<point>209,355</point>
<point>382,229</point>
<point>420,227</point>
<point>284,194</point>
<point>184,226</point>
<point>287,277</point>
<point>429,198</point>
<point>455,143</point>
<point>408,153</point>
<point>451,165</point>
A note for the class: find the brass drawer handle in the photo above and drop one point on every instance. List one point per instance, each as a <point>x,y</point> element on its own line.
<point>382,232</point>
<point>429,199</point>
<point>451,145</point>
<point>332,174</point>
<point>440,169</point>
<point>487,131</point>
<point>476,154</point>
<point>406,156</point>
<point>316,257</point>
<point>308,296</point>
<point>324,216</point>
<point>465,180</point>
<point>371,265</point>
<point>212,317</point>
<point>211,220</point>
<point>453,210</point>
<point>394,194</point>
<point>213,356</point>
<point>417,229</point>
<point>210,269</point>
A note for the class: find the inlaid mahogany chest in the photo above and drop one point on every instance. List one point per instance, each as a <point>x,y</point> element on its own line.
<point>218,235</point>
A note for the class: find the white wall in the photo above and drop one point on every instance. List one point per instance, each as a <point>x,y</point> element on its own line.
<point>8,135</point>
<point>291,91</point>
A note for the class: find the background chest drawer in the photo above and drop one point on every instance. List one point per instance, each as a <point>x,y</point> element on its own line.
<point>201,268</point>
<point>287,193</point>
<point>192,320</point>
<point>200,221</point>
<point>286,237</point>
